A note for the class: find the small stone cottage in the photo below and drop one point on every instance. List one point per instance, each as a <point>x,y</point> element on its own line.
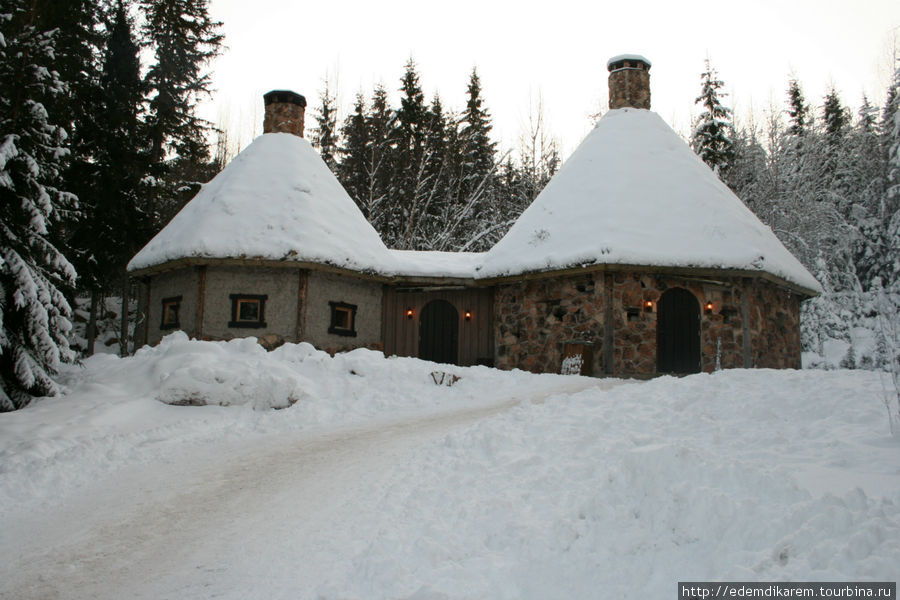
<point>635,260</point>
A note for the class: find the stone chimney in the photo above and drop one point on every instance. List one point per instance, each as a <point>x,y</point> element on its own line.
<point>629,81</point>
<point>285,111</point>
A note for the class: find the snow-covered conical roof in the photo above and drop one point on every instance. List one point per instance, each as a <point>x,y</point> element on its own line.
<point>277,200</point>
<point>634,193</point>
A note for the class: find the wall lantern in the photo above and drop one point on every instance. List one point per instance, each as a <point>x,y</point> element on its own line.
<point>409,313</point>
<point>648,305</point>
<point>708,309</point>
<point>468,315</point>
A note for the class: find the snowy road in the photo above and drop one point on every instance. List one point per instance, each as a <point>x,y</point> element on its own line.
<point>198,524</point>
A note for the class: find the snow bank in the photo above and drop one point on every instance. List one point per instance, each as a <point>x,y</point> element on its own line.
<point>742,475</point>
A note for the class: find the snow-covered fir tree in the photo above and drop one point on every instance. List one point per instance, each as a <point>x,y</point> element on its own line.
<point>324,134</point>
<point>34,313</point>
<point>712,135</point>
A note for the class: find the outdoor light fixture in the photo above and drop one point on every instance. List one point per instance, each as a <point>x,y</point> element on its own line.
<point>709,308</point>
<point>409,313</point>
<point>468,315</point>
<point>648,305</point>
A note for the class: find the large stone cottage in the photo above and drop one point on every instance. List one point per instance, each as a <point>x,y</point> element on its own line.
<point>635,260</point>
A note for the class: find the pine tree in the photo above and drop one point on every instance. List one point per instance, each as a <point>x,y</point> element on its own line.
<point>409,160</point>
<point>379,161</point>
<point>712,135</point>
<point>865,163</point>
<point>34,313</point>
<point>891,210</point>
<point>324,135</point>
<point>798,109</point>
<point>835,115</point>
<point>352,170</point>
<point>183,39</point>
<point>478,151</point>
<point>118,224</point>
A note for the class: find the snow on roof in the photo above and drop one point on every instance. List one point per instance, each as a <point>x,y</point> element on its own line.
<point>276,200</point>
<point>413,263</point>
<point>634,193</point>
<point>619,57</point>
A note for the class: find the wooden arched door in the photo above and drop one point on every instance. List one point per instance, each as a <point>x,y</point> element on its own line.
<point>678,332</point>
<point>439,332</point>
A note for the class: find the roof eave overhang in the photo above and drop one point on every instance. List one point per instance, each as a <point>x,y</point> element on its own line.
<point>267,263</point>
<point>694,273</point>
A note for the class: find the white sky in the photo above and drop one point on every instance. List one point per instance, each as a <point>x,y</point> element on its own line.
<point>556,50</point>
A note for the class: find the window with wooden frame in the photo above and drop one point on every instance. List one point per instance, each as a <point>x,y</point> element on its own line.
<point>248,310</point>
<point>171,307</point>
<point>343,319</point>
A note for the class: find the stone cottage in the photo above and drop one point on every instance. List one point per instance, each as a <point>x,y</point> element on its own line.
<point>635,260</point>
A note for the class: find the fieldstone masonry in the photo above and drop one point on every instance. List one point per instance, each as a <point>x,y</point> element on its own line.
<point>285,112</point>
<point>629,84</point>
<point>535,320</point>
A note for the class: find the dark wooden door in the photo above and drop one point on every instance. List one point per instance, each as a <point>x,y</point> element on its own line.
<point>439,332</point>
<point>678,332</point>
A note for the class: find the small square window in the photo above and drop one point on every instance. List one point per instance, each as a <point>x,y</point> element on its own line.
<point>343,319</point>
<point>171,307</point>
<point>248,310</point>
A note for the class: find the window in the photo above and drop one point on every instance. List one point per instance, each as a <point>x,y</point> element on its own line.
<point>343,319</point>
<point>248,310</point>
<point>170,309</point>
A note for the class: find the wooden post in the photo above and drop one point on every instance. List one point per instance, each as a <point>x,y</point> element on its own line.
<point>147,316</point>
<point>609,339</point>
<point>201,300</point>
<point>302,284</point>
<point>745,322</point>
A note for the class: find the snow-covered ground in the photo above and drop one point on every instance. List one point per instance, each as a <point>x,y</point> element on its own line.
<point>377,483</point>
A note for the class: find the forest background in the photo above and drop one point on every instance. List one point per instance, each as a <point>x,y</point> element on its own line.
<point>100,145</point>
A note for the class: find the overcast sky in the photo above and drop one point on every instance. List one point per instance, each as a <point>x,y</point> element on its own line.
<point>553,49</point>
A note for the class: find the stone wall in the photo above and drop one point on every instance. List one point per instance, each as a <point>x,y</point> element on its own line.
<point>751,323</point>
<point>775,325</point>
<point>533,320</point>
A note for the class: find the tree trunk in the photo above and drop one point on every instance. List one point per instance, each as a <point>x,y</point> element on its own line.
<point>92,323</point>
<point>123,318</point>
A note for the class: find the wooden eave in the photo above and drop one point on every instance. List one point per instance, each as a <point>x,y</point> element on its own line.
<point>707,275</point>
<point>267,263</point>
<point>703,274</point>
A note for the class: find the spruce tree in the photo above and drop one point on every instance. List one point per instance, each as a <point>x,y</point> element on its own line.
<point>712,135</point>
<point>409,164</point>
<point>379,162</point>
<point>183,39</point>
<point>798,109</point>
<point>352,169</point>
<point>835,116</point>
<point>324,135</point>
<point>117,223</point>
<point>478,151</point>
<point>34,313</point>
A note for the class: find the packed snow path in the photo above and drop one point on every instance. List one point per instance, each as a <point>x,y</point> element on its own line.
<point>185,528</point>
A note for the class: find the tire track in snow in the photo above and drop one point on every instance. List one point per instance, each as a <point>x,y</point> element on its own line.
<point>187,527</point>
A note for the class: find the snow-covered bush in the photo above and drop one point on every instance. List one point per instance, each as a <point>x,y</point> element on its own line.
<point>850,330</point>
